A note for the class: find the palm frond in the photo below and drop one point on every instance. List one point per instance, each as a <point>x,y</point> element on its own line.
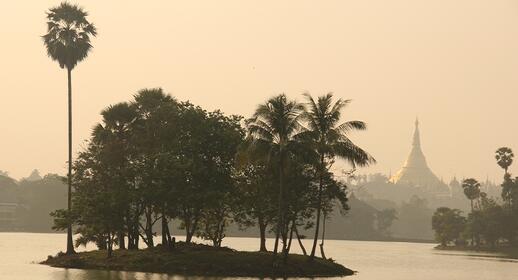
<point>355,155</point>
<point>348,126</point>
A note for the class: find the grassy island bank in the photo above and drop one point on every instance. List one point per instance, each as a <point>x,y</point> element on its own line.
<point>201,260</point>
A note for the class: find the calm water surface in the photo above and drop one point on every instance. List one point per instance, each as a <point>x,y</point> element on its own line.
<point>20,253</point>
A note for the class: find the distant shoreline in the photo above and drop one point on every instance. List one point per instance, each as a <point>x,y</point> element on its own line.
<point>394,239</point>
<point>403,240</point>
<point>507,251</point>
<point>201,260</point>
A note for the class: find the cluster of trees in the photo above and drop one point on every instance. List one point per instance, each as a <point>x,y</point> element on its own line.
<point>489,223</point>
<point>155,160</point>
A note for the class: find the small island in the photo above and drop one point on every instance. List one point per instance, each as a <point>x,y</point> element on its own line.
<point>201,260</point>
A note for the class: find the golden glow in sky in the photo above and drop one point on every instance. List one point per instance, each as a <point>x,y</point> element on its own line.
<point>453,63</point>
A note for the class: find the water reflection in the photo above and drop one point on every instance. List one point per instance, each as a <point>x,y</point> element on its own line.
<point>20,253</point>
<point>78,274</point>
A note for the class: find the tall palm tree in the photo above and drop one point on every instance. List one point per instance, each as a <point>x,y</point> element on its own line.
<point>504,157</point>
<point>68,42</point>
<point>272,133</point>
<point>329,139</point>
<point>471,190</point>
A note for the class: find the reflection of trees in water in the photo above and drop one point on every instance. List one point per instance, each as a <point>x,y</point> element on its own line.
<point>78,274</point>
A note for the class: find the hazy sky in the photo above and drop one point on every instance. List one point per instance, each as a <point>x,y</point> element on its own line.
<point>452,63</point>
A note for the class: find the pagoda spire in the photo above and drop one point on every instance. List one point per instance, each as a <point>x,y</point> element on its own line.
<point>415,171</point>
<point>417,138</point>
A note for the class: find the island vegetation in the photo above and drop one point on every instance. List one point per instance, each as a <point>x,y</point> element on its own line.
<point>156,160</point>
<point>492,224</point>
<point>201,260</point>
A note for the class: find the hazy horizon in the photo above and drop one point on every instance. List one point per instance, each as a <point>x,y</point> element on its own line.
<point>453,64</point>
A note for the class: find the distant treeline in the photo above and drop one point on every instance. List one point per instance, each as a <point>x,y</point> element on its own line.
<point>34,200</point>
<point>156,159</point>
<point>490,223</point>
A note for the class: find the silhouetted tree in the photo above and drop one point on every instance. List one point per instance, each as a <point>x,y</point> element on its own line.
<point>334,196</point>
<point>329,139</point>
<point>68,42</point>
<point>272,133</point>
<point>257,194</point>
<point>492,220</point>
<point>157,116</point>
<point>448,225</point>
<point>471,189</point>
<point>504,157</point>
<point>115,135</point>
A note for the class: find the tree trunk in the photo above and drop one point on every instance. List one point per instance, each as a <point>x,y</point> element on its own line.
<point>149,228</point>
<point>188,238</point>
<point>187,223</point>
<point>323,238</point>
<point>137,240</point>
<point>190,235</point>
<point>191,230</point>
<point>110,245</point>
<point>317,224</point>
<point>472,234</point>
<point>300,242</point>
<point>285,243</point>
<point>133,231</point>
<point>276,244</point>
<point>285,232</point>
<point>170,243</point>
<point>129,239</point>
<point>319,209</point>
<point>122,242</point>
<point>280,222</point>
<point>291,236</point>
<point>129,226</point>
<point>165,226</point>
<point>262,233</point>
<point>70,242</point>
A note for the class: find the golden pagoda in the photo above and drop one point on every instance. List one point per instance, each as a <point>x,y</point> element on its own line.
<point>415,172</point>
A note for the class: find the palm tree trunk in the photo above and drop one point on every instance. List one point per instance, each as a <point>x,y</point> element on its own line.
<point>323,238</point>
<point>280,223</point>
<point>472,234</point>
<point>70,243</point>
<point>317,224</point>
<point>319,209</point>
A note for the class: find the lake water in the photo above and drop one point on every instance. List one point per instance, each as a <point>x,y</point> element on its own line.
<point>20,253</point>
